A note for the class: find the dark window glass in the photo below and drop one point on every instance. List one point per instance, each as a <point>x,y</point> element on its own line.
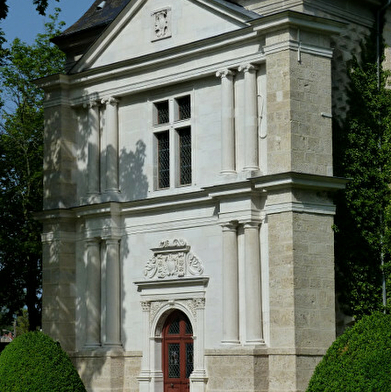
<point>184,110</point>
<point>173,360</point>
<point>162,113</point>
<point>189,359</point>
<point>163,156</point>
<point>189,329</point>
<point>184,156</point>
<point>174,327</point>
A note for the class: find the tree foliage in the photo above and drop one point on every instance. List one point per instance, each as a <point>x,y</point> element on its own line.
<point>363,155</point>
<point>359,360</point>
<point>34,362</point>
<point>40,6</point>
<point>21,155</point>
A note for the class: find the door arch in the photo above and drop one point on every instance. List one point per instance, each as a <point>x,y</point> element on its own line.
<point>177,352</point>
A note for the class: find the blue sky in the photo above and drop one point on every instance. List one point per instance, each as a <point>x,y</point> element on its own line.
<point>24,22</point>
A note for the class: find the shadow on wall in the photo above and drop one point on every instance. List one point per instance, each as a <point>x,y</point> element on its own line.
<point>133,182</point>
<point>67,181</point>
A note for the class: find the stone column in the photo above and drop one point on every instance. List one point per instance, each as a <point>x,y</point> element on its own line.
<point>250,116</point>
<point>93,148</point>
<point>112,144</point>
<point>252,273</point>
<point>93,302</point>
<point>113,293</point>
<point>230,285</point>
<point>227,122</point>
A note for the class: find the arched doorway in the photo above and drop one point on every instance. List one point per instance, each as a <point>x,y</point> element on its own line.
<point>177,352</point>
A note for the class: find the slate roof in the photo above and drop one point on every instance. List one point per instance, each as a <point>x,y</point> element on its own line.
<point>96,16</point>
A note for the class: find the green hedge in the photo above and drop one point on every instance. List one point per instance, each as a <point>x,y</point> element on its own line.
<point>359,360</point>
<point>33,362</point>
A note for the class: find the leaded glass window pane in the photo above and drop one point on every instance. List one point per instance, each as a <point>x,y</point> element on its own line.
<point>189,359</point>
<point>174,327</point>
<point>184,110</point>
<point>184,156</point>
<point>189,329</point>
<point>163,152</point>
<point>162,112</point>
<point>173,360</point>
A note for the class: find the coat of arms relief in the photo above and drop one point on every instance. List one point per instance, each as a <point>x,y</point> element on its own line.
<point>172,260</point>
<point>161,20</point>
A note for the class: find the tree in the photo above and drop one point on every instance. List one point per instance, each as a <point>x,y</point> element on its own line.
<point>359,360</point>
<point>34,362</point>
<point>41,6</point>
<point>21,156</point>
<point>363,155</point>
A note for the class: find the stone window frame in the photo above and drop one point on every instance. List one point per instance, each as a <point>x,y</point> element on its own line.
<point>174,129</point>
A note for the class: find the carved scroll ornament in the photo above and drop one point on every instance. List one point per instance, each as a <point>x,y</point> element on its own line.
<point>172,260</point>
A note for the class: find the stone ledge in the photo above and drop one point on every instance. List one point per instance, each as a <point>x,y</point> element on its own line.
<point>262,351</point>
<point>104,352</point>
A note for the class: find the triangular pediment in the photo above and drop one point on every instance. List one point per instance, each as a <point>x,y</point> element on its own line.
<point>149,26</point>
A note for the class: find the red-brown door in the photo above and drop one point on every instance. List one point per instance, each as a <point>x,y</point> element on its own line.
<point>177,352</point>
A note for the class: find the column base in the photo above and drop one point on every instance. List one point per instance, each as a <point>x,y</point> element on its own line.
<point>254,342</point>
<point>230,342</point>
<point>92,346</point>
<point>225,172</point>
<point>144,381</point>
<point>251,168</point>
<point>198,381</point>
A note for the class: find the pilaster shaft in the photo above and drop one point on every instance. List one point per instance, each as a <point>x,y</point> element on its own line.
<point>113,290</point>
<point>112,145</point>
<point>145,364</point>
<point>93,148</point>
<point>227,121</point>
<point>93,296</point>
<point>253,284</point>
<point>230,285</point>
<point>250,117</point>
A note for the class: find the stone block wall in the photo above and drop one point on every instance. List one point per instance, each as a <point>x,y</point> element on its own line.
<point>59,164</point>
<point>299,105</point>
<point>302,317</point>
<point>108,371</point>
<point>248,370</point>
<point>59,283</point>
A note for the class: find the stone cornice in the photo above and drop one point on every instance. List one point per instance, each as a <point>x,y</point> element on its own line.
<point>208,196</point>
<point>299,180</point>
<point>145,285</point>
<point>55,215</point>
<point>296,19</point>
<point>166,56</point>
<point>276,181</point>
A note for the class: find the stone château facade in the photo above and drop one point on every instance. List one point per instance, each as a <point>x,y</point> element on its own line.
<point>188,174</point>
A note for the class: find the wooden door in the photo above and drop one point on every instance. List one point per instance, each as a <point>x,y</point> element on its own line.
<point>177,352</point>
